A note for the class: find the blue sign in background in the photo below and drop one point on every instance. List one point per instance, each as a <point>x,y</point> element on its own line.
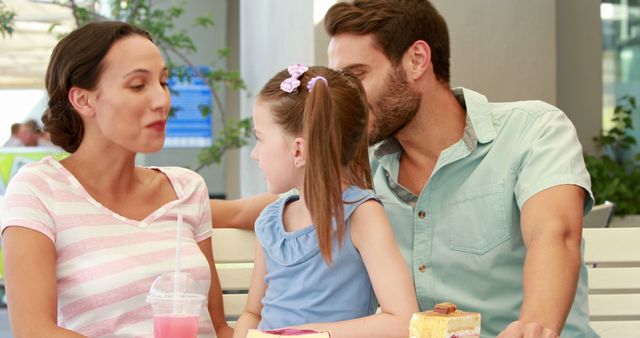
<point>187,127</point>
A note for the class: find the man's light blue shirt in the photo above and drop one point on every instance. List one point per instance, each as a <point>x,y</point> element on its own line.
<point>461,236</point>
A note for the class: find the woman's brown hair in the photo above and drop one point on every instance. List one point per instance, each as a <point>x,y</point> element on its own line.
<point>332,118</point>
<point>77,61</point>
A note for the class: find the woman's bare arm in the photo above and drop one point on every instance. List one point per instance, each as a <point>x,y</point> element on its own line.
<point>30,281</point>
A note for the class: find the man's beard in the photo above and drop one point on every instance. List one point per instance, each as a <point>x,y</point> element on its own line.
<point>396,107</point>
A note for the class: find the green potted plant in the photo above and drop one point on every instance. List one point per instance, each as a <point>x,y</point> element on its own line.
<point>615,173</point>
<point>6,20</point>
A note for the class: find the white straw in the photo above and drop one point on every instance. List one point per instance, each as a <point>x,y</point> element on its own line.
<point>178,244</point>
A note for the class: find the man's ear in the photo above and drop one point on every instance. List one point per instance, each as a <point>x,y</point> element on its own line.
<point>82,101</point>
<point>417,59</point>
<point>298,152</point>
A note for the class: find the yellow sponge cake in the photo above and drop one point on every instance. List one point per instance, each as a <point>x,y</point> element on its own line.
<point>445,321</point>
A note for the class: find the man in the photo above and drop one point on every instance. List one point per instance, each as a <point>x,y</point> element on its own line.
<point>14,141</point>
<point>29,133</point>
<point>486,199</point>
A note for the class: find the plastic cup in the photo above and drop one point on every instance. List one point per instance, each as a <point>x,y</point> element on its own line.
<point>176,302</point>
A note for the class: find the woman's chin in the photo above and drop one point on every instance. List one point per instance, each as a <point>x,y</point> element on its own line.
<point>151,148</point>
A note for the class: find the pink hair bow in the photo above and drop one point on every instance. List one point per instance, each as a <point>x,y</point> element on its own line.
<point>292,83</point>
<point>313,81</point>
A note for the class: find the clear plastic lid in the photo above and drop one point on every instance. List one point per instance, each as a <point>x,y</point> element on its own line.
<point>175,286</point>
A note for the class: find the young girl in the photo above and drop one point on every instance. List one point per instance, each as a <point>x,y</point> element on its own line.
<point>84,238</point>
<point>324,256</point>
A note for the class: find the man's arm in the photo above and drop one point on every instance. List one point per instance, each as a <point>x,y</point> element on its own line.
<point>240,213</point>
<point>551,225</point>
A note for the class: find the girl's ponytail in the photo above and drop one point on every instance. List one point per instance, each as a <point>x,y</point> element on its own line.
<point>323,164</point>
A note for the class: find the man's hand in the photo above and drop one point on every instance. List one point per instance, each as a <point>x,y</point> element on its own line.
<point>519,329</point>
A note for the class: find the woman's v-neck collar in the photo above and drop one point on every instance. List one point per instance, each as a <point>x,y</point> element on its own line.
<point>147,220</point>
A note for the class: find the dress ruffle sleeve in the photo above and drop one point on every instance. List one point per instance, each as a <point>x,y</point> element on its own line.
<point>285,248</point>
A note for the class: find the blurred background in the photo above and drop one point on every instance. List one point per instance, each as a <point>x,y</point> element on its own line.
<point>580,55</point>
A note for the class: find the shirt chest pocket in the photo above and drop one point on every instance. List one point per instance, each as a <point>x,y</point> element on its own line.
<point>477,219</point>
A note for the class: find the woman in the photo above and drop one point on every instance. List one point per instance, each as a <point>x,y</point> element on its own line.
<point>84,238</point>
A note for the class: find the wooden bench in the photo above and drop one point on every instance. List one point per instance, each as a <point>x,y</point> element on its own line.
<point>613,259</point>
<point>612,254</point>
<point>233,250</point>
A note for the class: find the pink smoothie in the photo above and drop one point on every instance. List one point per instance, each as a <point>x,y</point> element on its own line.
<point>168,326</point>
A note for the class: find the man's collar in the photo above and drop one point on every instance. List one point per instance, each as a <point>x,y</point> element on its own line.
<point>386,147</point>
<point>478,114</point>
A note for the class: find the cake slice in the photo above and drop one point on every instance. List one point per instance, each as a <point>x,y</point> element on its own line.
<point>445,321</point>
<point>287,333</point>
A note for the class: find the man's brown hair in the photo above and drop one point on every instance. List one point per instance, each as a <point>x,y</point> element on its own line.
<point>395,25</point>
<point>14,129</point>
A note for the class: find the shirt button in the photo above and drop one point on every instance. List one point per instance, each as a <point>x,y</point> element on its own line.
<point>422,268</point>
<point>421,214</point>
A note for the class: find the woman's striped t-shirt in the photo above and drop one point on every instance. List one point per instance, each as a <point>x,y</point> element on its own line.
<point>106,262</point>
